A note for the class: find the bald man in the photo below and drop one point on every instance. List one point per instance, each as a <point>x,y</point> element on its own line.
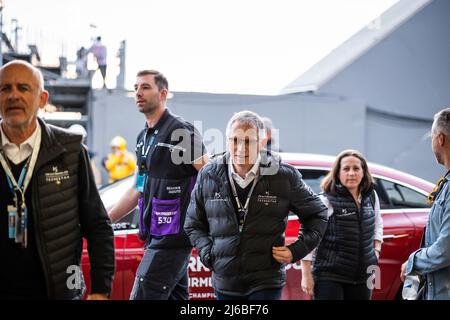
<point>48,200</point>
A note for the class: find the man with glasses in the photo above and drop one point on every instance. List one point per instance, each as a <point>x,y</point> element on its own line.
<point>239,211</point>
<point>432,261</point>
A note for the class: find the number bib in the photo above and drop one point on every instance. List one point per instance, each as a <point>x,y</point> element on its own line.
<point>166,216</point>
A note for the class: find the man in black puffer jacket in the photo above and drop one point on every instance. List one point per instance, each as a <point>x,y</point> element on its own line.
<point>48,202</point>
<point>239,212</point>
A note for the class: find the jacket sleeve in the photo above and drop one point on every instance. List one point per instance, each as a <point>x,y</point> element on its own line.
<point>95,228</point>
<point>312,214</point>
<point>310,256</point>
<point>196,224</point>
<point>378,219</point>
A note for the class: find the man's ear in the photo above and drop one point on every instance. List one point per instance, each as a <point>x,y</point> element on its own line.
<point>43,99</point>
<point>261,143</point>
<point>441,139</point>
<point>163,94</point>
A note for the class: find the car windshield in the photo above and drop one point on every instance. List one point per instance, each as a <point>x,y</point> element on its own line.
<point>112,193</point>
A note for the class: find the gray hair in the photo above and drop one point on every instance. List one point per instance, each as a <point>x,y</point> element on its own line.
<point>249,118</point>
<point>442,122</point>
<point>37,73</point>
<point>268,124</point>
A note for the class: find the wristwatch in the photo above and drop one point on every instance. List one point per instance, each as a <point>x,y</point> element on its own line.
<point>377,249</point>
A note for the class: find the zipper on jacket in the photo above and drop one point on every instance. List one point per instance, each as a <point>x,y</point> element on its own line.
<point>360,251</point>
<point>248,211</point>
<point>226,189</point>
<point>39,241</point>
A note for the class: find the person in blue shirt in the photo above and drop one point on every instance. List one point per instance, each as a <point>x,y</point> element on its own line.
<point>432,261</point>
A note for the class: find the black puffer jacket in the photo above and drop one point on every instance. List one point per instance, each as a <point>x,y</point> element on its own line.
<point>242,263</point>
<point>66,208</point>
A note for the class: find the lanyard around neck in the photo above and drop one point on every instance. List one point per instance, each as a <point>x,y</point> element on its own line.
<point>145,151</point>
<point>27,170</point>
<point>242,209</point>
<point>437,189</point>
<point>21,187</point>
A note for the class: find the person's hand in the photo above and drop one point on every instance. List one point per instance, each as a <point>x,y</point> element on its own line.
<point>377,254</point>
<point>282,254</point>
<point>119,153</point>
<point>403,271</point>
<point>97,296</point>
<point>307,283</point>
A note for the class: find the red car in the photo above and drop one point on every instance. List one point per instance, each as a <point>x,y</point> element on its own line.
<point>403,206</point>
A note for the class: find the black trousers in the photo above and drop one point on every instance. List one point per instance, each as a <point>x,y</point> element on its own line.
<point>333,290</point>
<point>162,275</point>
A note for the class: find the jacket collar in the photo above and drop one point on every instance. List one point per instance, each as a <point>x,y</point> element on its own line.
<point>269,165</point>
<point>166,114</point>
<point>51,148</point>
<point>269,162</point>
<point>343,191</point>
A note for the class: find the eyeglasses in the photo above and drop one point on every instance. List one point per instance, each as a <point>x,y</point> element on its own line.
<point>433,194</point>
<point>247,142</point>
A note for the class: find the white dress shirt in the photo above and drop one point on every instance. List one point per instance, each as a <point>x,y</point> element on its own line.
<point>17,154</point>
<point>249,177</point>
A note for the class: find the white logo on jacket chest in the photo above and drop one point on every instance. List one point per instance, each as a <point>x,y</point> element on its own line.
<point>173,190</point>
<point>267,199</point>
<point>345,213</point>
<point>218,198</point>
<point>56,176</point>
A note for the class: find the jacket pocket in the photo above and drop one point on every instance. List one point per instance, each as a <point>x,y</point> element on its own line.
<point>166,217</point>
